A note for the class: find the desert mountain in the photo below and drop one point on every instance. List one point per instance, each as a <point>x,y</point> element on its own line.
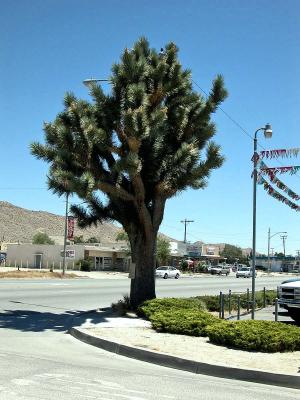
<point>20,224</point>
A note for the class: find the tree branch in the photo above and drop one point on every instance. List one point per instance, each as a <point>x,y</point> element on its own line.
<point>115,191</point>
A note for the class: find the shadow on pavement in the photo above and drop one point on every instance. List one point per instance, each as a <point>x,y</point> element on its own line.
<point>40,321</point>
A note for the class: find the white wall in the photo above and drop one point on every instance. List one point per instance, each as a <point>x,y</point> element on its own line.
<point>24,254</point>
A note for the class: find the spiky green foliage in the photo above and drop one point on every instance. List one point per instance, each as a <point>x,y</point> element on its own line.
<point>146,141</point>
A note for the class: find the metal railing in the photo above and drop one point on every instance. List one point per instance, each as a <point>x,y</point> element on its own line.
<point>233,302</point>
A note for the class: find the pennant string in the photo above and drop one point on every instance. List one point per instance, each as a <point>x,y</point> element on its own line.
<point>279,183</point>
<point>277,153</point>
<point>292,170</point>
<point>273,193</point>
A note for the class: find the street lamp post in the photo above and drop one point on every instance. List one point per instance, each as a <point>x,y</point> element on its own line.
<point>269,240</point>
<point>268,134</point>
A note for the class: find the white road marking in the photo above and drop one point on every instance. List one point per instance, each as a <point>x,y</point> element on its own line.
<point>124,396</point>
<point>22,382</point>
<point>59,284</point>
<point>108,383</point>
<point>113,385</point>
<point>48,375</point>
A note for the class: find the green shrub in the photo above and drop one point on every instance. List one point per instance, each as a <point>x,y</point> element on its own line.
<point>209,303</point>
<point>85,265</point>
<point>264,336</point>
<point>150,307</point>
<point>201,267</point>
<point>121,307</point>
<point>183,265</point>
<point>190,322</point>
<point>212,302</point>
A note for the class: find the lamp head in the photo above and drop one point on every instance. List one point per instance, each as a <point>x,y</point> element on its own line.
<point>88,82</point>
<point>268,131</point>
<point>92,81</point>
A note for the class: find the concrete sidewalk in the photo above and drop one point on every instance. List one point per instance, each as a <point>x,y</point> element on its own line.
<point>266,314</point>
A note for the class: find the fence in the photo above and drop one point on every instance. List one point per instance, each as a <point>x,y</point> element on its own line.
<point>242,303</point>
<point>49,265</point>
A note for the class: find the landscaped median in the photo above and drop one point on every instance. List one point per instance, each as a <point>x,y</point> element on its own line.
<point>192,317</point>
<point>188,336</point>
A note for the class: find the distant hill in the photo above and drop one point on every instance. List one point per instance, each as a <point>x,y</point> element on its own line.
<point>20,224</point>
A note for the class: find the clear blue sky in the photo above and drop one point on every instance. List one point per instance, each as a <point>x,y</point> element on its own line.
<point>48,47</point>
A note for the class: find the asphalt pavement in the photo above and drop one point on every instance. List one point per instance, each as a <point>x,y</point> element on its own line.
<point>87,294</point>
<point>39,361</point>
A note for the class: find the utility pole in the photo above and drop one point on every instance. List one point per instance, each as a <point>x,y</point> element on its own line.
<point>298,260</point>
<point>269,240</point>
<point>185,222</point>
<point>283,237</point>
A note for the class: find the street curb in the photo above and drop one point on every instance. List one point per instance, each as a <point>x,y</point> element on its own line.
<point>195,367</point>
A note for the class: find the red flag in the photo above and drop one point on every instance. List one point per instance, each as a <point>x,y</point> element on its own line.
<point>71,228</point>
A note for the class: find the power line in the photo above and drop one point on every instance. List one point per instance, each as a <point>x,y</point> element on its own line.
<point>226,113</point>
<point>237,123</point>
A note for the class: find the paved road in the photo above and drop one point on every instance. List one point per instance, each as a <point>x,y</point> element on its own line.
<point>38,360</point>
<point>85,294</point>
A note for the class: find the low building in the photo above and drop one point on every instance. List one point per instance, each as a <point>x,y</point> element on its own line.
<point>46,256</point>
<point>211,254</point>
<point>278,264</point>
<point>194,250</point>
<point>178,249</point>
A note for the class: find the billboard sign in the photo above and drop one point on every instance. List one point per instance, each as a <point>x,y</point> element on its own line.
<point>193,250</point>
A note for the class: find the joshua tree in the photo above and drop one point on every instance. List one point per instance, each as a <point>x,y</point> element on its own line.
<point>143,143</point>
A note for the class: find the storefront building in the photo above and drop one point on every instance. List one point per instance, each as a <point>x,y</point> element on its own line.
<point>51,256</point>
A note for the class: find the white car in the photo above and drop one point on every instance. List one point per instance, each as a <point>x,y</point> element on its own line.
<point>167,272</point>
<point>245,272</point>
<point>289,298</point>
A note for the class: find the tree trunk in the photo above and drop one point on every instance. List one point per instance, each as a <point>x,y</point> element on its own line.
<point>144,257</point>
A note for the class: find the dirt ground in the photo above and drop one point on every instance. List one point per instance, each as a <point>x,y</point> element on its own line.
<point>35,275</point>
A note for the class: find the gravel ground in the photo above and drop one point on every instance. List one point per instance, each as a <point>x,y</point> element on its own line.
<point>199,349</point>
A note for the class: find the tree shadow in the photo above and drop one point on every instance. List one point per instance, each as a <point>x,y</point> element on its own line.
<point>41,321</point>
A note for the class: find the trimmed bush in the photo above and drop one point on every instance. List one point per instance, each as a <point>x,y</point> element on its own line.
<point>190,322</point>
<point>150,307</point>
<point>212,302</point>
<point>264,336</point>
<point>121,307</point>
<point>86,265</point>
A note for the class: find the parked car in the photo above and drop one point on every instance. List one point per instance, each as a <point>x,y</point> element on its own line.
<point>238,267</point>
<point>245,272</point>
<point>167,272</point>
<point>289,298</point>
<point>220,270</point>
<point>2,257</point>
